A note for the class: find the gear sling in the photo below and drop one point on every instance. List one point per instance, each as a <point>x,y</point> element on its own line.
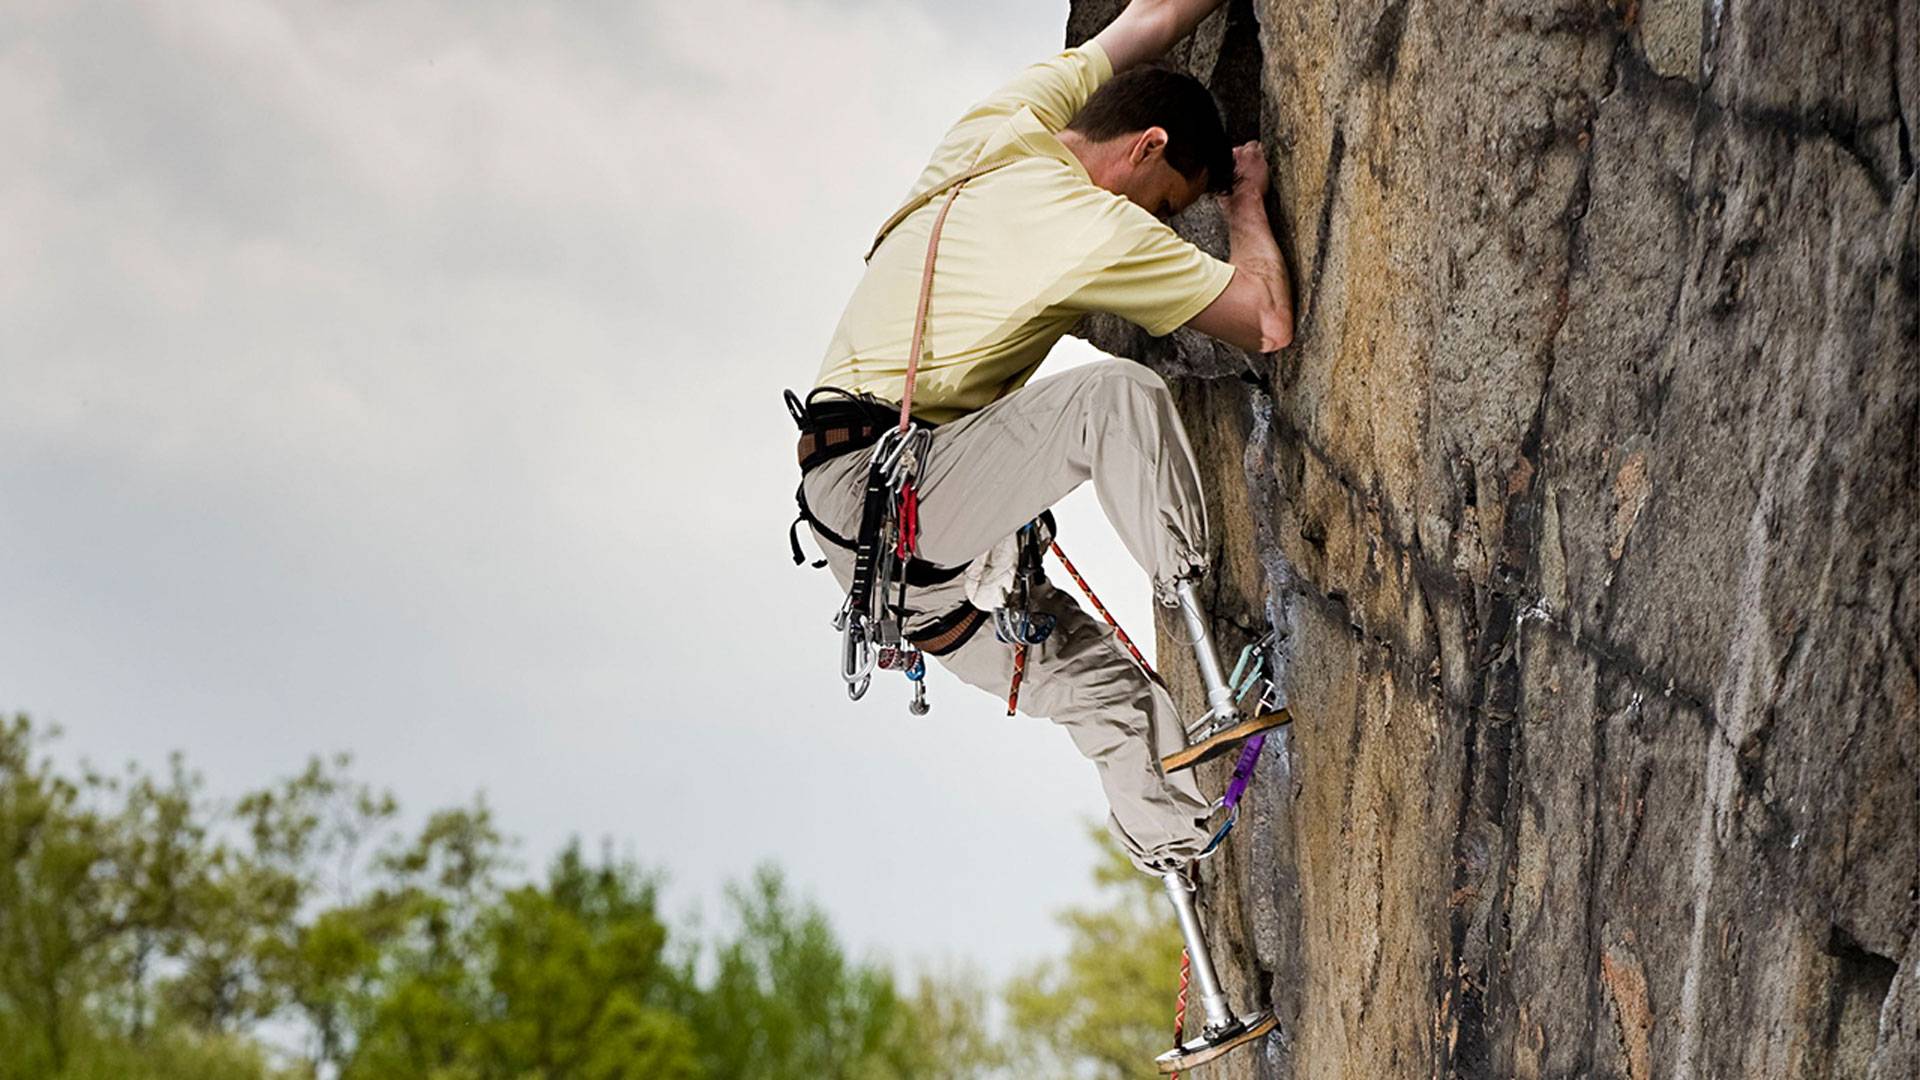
<point>885,559</point>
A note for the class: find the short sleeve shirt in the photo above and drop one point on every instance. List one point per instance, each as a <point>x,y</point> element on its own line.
<point>1027,249</point>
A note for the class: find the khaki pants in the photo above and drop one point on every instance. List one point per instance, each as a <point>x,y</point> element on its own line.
<point>991,472</point>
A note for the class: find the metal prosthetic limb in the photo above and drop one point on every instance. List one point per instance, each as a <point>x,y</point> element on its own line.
<point>1221,710</point>
<point>1220,1018</point>
<point>1223,726</point>
<point>1220,727</point>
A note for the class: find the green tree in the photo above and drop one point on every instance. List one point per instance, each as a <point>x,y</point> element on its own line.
<point>786,1002</point>
<point>148,932</point>
<point>54,917</point>
<point>1105,1009</point>
<point>579,980</point>
<point>391,979</point>
<point>106,893</point>
<point>172,1052</point>
<point>157,862</point>
<point>279,852</point>
<point>948,1034</point>
<point>561,981</point>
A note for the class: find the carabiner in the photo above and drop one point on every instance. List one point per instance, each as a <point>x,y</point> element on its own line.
<point>856,655</point>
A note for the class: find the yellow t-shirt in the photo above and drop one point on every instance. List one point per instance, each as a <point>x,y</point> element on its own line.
<point>1027,249</point>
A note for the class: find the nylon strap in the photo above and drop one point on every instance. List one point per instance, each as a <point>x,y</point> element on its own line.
<point>907,208</point>
<point>920,312</point>
<point>1243,771</point>
<point>950,187</point>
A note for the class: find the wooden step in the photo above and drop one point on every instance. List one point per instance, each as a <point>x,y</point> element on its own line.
<point>1224,740</point>
<point>1190,1054</point>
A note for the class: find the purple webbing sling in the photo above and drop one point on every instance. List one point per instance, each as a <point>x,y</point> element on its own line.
<point>1243,771</point>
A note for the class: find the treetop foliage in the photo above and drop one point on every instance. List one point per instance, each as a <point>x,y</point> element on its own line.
<point>151,932</point>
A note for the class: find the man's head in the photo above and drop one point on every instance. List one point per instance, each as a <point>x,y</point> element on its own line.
<point>1153,135</point>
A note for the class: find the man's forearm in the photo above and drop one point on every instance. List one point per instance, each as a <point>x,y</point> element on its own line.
<point>1148,28</point>
<point>1253,251</point>
<point>1184,15</point>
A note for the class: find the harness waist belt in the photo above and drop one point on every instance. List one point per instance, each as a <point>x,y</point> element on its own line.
<point>834,422</point>
<point>830,442</point>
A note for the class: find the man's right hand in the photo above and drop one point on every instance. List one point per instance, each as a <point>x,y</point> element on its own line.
<point>1250,176</point>
<point>1256,310</point>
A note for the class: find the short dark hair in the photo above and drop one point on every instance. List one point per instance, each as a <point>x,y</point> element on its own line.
<point>1163,97</point>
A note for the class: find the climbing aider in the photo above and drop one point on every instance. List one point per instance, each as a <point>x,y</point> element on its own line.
<point>929,461</point>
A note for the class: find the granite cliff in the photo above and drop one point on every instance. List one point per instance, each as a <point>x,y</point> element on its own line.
<point>1587,501</point>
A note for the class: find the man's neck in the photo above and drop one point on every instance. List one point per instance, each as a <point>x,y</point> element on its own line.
<point>1098,158</point>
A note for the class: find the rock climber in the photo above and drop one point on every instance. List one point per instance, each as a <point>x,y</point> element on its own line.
<point>1066,177</point>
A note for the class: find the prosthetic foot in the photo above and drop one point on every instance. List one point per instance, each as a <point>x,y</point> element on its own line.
<point>1223,1031</point>
<point>1223,728</point>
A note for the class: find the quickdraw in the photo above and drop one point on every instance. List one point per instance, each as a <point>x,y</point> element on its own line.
<point>870,627</point>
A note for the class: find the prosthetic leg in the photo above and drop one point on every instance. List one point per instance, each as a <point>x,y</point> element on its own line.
<point>1222,729</point>
<point>1223,1031</point>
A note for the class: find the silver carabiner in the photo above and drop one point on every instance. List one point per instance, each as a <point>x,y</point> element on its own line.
<point>898,456</point>
<point>911,455</point>
<point>887,451</point>
<point>856,655</point>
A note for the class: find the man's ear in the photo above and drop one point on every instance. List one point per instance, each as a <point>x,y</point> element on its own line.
<point>1148,144</point>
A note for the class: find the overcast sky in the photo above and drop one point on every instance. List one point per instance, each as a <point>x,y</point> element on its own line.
<point>402,378</point>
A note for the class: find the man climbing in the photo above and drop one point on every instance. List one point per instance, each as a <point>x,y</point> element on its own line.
<point>1047,201</point>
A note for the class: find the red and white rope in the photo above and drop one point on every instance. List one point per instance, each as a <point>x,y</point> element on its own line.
<point>1074,573</point>
<point>1180,1004</point>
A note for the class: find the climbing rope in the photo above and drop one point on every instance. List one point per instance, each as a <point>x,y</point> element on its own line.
<point>1019,672</point>
<point>1180,1003</point>
<point>1104,613</point>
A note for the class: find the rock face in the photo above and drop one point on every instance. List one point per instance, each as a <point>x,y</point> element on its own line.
<point>1589,501</point>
